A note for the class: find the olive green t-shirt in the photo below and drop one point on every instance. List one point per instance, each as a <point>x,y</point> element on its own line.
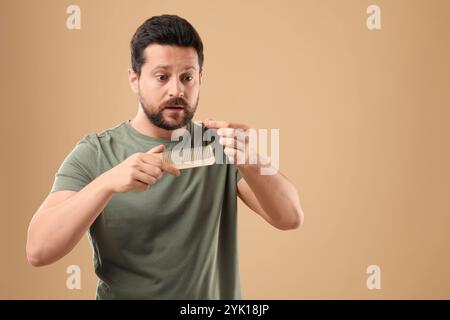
<point>176,240</point>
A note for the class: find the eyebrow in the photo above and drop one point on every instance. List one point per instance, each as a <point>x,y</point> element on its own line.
<point>160,66</point>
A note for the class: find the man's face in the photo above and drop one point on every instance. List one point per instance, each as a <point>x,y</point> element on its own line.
<point>169,85</point>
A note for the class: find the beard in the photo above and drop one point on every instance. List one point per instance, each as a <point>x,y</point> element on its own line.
<point>182,117</point>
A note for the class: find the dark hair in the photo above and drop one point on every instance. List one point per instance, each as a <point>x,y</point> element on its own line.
<point>164,30</point>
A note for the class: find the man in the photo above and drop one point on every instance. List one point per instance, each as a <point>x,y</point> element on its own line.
<point>158,232</point>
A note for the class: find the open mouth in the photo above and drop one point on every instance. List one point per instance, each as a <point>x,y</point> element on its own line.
<point>176,107</point>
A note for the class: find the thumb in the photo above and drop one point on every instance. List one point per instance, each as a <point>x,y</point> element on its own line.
<point>207,121</point>
<point>157,149</point>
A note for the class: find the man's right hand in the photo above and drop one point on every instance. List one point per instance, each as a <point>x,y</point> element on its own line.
<point>138,172</point>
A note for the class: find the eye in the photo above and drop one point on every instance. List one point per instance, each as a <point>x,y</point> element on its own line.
<point>161,77</point>
<point>189,78</point>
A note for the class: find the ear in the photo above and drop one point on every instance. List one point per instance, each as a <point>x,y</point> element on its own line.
<point>133,79</point>
<point>200,77</point>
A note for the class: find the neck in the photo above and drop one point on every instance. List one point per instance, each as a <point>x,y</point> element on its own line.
<point>143,125</point>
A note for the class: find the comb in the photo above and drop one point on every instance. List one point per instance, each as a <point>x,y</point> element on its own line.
<point>199,156</point>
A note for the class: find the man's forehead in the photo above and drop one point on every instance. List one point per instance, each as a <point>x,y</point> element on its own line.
<point>169,67</point>
<point>170,57</point>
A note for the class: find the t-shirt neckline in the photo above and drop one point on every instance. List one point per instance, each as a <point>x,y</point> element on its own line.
<point>147,138</point>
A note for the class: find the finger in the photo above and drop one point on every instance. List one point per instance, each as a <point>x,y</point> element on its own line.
<point>144,178</point>
<point>232,143</point>
<point>157,149</point>
<point>171,169</point>
<point>226,132</point>
<point>152,159</point>
<point>214,124</point>
<point>239,134</point>
<point>152,170</point>
<point>140,185</point>
<point>231,154</point>
<point>235,156</point>
<point>158,162</point>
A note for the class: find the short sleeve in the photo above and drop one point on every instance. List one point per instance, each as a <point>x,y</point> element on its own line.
<point>78,168</point>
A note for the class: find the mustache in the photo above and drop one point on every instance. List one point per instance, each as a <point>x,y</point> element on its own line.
<point>178,101</point>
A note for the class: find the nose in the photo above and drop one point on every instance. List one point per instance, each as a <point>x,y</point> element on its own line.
<point>176,88</point>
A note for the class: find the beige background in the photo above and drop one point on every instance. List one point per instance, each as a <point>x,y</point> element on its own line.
<point>363,117</point>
